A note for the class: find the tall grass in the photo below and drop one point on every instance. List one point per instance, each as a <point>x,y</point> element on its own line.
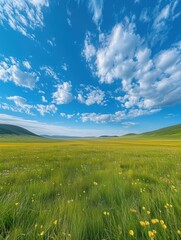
<point>90,190</point>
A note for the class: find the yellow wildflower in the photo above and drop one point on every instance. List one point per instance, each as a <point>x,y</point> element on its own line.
<point>131,233</point>
<point>17,203</point>
<point>147,223</point>
<point>95,183</point>
<point>151,234</point>
<point>133,210</point>
<point>154,221</point>
<point>106,213</point>
<point>178,232</point>
<point>164,226</point>
<point>42,233</point>
<point>55,222</point>
<point>142,223</point>
<point>143,208</point>
<point>148,212</point>
<point>162,222</point>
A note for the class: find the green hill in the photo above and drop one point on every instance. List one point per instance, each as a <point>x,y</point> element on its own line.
<point>172,131</point>
<point>7,129</point>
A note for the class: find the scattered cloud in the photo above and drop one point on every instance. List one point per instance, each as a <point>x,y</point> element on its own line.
<point>91,95</point>
<point>147,81</point>
<point>51,42</point>
<point>68,116</point>
<point>96,8</point>
<point>118,116</point>
<point>64,67</point>
<point>21,104</point>
<point>44,99</point>
<point>12,70</point>
<point>89,50</point>
<point>27,65</point>
<point>43,109</point>
<point>23,15</point>
<point>63,93</point>
<point>49,72</point>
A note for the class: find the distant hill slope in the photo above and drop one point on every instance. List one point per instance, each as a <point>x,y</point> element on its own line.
<point>7,129</point>
<point>172,131</point>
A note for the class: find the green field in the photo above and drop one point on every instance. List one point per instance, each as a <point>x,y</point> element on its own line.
<point>97,189</point>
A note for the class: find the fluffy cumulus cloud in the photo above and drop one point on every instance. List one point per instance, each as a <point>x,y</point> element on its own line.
<point>17,72</point>
<point>148,81</point>
<point>23,15</point>
<point>63,93</point>
<point>91,95</point>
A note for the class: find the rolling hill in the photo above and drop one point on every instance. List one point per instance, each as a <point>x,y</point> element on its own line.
<point>172,131</point>
<point>7,129</point>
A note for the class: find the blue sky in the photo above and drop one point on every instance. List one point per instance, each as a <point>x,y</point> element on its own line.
<point>87,68</point>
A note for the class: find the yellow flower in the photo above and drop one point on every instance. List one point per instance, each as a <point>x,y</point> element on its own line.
<point>164,226</point>
<point>154,221</point>
<point>178,232</point>
<point>148,212</point>
<point>162,222</point>
<point>151,234</point>
<point>55,222</point>
<point>41,226</point>
<point>95,183</point>
<point>147,223</point>
<point>106,213</point>
<point>143,208</point>
<point>42,233</point>
<point>17,203</point>
<point>133,210</point>
<point>131,233</point>
<point>142,223</point>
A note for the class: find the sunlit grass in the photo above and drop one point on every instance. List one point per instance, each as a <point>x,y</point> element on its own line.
<point>111,189</point>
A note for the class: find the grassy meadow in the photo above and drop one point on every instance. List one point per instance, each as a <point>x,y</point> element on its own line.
<point>93,189</point>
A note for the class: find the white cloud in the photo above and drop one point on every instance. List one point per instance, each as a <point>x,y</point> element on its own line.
<point>51,42</point>
<point>68,116</point>
<point>27,65</point>
<point>163,18</point>
<point>148,81</point>
<point>23,15</point>
<point>43,99</point>
<point>64,67</point>
<point>43,109</point>
<point>89,50</point>
<point>118,116</point>
<point>63,94</point>
<point>96,8</point>
<point>49,72</point>
<point>21,104</point>
<point>11,70</point>
<point>91,95</point>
